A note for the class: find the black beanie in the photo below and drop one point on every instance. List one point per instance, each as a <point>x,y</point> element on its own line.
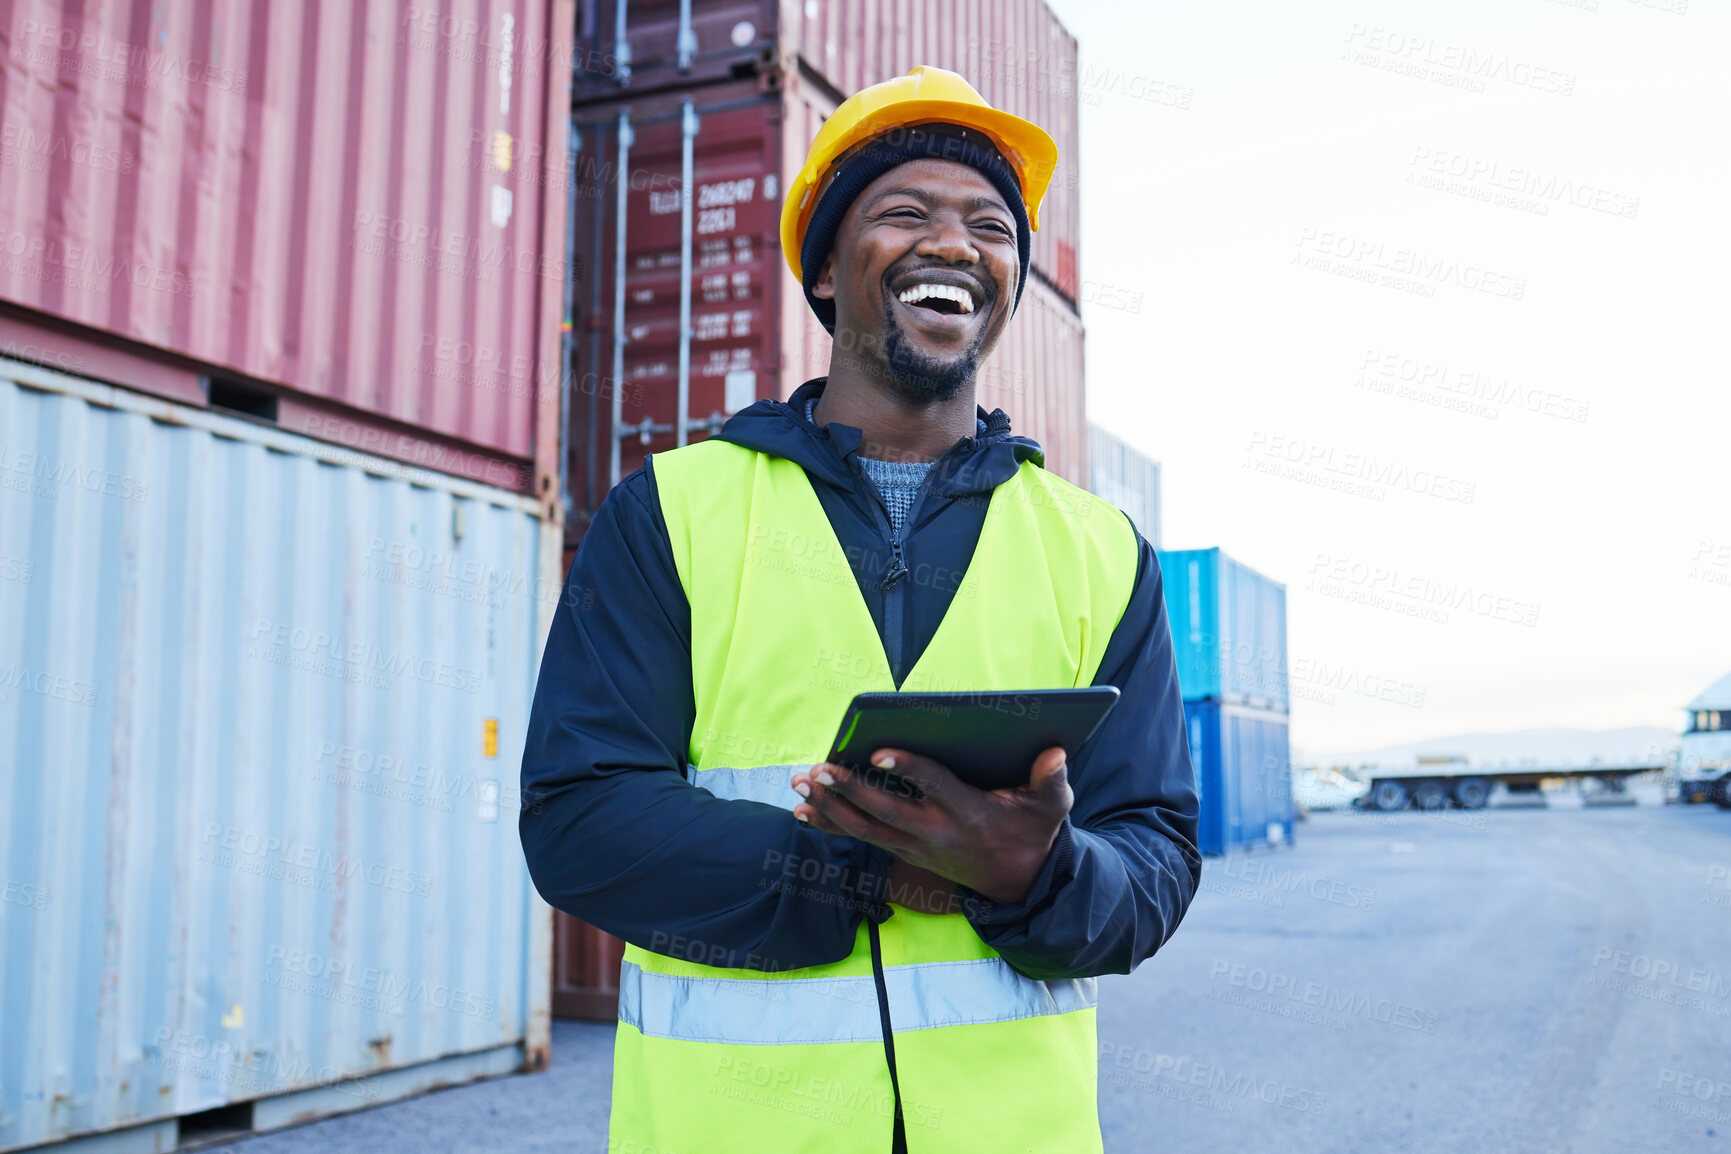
<point>877,156</point>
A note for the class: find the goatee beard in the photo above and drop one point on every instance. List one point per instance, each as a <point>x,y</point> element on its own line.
<point>921,378</point>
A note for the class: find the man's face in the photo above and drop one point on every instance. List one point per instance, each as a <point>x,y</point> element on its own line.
<point>920,236</point>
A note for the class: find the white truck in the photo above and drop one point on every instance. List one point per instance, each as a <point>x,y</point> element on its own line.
<point>1703,768</point>
<point>1441,782</point>
<point>1317,790</point>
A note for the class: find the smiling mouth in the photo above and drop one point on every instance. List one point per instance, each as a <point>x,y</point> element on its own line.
<point>945,300</point>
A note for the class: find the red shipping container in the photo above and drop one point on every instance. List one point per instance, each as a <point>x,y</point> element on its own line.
<point>334,210</point>
<point>1015,52</point>
<point>752,334</point>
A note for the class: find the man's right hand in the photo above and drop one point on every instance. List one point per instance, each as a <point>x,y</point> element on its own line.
<point>993,841</point>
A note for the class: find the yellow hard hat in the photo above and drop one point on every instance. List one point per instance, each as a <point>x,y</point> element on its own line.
<point>925,95</point>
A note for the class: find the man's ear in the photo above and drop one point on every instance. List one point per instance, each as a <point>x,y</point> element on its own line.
<point>824,287</point>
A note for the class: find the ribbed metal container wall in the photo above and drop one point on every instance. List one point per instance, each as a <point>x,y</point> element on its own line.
<point>262,703</point>
<point>1126,478</point>
<point>343,200</point>
<point>1228,629</point>
<point>1015,52</point>
<point>753,335</point>
<point>1243,776</point>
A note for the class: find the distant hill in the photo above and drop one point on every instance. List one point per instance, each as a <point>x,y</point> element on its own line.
<point>1560,747</point>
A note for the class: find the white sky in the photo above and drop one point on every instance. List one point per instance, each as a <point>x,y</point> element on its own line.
<point>1235,356</point>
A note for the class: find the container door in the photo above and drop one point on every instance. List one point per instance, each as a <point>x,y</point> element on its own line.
<point>1238,773</point>
<point>733,344</point>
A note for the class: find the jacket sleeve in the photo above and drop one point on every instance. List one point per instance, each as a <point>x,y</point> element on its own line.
<point>1125,865</point>
<point>613,832</point>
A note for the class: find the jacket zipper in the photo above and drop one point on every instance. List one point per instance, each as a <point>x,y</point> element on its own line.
<point>891,584</point>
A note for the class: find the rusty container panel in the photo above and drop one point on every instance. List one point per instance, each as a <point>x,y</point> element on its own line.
<point>262,706</point>
<point>730,39</point>
<point>311,198</point>
<point>585,970</point>
<point>736,276</point>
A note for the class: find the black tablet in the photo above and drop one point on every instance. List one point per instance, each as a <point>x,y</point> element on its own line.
<point>987,739</point>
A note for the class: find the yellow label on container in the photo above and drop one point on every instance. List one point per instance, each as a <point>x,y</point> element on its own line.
<point>502,150</point>
<point>490,737</point>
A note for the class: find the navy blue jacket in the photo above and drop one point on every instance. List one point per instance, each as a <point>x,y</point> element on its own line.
<point>615,834</point>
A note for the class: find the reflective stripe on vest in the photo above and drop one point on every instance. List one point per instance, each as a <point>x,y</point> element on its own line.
<point>723,1060</point>
<point>765,783</point>
<point>800,1011</point>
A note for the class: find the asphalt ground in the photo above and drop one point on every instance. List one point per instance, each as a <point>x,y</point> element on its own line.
<point>1541,980</point>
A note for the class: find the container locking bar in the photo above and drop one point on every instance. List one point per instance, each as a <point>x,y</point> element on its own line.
<point>624,179</point>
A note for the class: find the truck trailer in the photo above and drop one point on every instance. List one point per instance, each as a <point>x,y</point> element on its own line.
<point>1441,782</point>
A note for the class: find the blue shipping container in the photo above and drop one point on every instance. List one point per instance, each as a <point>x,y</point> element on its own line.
<point>1228,629</point>
<point>262,703</point>
<point>1243,775</point>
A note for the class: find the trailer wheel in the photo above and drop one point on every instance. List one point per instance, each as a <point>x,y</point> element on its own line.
<point>1388,795</point>
<point>1430,795</point>
<point>1472,792</point>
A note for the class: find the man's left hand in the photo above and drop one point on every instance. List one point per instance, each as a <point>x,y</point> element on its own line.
<point>994,842</point>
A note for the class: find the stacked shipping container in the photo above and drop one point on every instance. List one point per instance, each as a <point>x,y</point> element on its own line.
<point>1229,637</point>
<point>274,606</point>
<point>312,213</point>
<point>725,98</point>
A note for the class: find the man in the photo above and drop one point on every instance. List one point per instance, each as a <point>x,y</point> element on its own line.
<point>815,965</point>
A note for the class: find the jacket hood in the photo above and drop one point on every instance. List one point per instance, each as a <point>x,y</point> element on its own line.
<point>978,465</point>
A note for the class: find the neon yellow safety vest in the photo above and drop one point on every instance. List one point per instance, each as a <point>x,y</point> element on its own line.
<point>715,1061</point>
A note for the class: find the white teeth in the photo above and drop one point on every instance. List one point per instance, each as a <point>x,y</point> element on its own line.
<point>946,292</point>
